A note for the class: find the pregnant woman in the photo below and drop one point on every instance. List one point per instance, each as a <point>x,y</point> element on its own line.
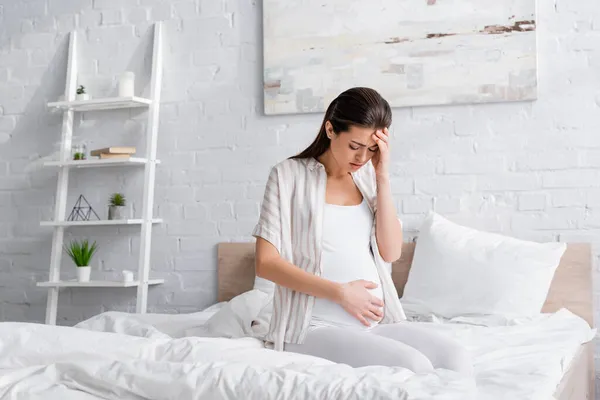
<point>327,235</point>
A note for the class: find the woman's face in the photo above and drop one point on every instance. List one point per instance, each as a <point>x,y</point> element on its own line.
<point>353,148</point>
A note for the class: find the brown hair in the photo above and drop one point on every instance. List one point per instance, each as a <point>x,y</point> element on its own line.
<point>359,106</point>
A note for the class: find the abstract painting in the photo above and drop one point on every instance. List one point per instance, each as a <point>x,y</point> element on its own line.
<point>414,52</point>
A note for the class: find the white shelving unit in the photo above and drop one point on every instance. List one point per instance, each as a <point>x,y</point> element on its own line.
<point>99,222</point>
<point>65,164</point>
<point>73,283</point>
<point>109,103</point>
<point>108,162</point>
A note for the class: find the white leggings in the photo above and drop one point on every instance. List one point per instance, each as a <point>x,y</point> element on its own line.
<point>402,344</point>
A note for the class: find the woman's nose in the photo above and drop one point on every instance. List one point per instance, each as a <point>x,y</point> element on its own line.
<point>362,156</point>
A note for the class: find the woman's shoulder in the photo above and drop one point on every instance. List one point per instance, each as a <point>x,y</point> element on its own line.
<point>290,167</point>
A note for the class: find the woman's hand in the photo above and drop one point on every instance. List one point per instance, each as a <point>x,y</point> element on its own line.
<point>381,159</point>
<point>359,302</point>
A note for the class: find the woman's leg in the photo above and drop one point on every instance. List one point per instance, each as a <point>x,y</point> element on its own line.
<point>442,351</point>
<point>359,349</point>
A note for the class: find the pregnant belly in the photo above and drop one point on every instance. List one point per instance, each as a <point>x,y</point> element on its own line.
<point>343,269</point>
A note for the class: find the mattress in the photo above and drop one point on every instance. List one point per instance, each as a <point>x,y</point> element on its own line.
<point>157,356</point>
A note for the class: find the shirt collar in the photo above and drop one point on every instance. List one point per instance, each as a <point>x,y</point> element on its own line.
<point>313,164</point>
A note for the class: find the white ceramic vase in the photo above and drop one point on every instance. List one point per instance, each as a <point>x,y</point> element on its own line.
<point>83,273</point>
<point>82,96</point>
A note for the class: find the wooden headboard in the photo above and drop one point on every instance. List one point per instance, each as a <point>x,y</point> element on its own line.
<point>571,287</point>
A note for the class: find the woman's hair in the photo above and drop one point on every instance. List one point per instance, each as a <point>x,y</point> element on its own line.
<point>359,106</point>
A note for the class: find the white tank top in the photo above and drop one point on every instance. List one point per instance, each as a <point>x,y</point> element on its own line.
<point>346,257</point>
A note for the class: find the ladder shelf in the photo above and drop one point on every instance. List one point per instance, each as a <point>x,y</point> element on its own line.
<point>146,220</point>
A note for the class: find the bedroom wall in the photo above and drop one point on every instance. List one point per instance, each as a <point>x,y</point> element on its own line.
<point>531,170</point>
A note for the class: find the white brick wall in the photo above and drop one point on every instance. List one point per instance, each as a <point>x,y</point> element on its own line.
<point>527,169</point>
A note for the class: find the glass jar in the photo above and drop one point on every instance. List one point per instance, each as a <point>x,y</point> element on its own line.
<point>79,151</point>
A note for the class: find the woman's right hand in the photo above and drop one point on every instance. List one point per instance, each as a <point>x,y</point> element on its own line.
<point>356,299</point>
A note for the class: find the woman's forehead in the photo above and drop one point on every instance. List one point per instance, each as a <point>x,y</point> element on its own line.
<point>361,135</point>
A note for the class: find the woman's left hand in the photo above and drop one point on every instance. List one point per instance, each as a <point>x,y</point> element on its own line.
<point>381,159</point>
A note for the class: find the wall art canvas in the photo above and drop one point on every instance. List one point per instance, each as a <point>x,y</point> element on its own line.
<point>414,52</point>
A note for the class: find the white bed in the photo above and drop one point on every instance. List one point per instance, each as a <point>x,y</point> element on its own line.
<point>123,356</point>
<point>570,358</point>
<point>159,356</point>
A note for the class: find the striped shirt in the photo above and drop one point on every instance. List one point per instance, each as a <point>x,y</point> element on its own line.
<point>291,218</point>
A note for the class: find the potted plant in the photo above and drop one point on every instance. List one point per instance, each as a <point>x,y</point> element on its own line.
<point>81,252</point>
<point>81,94</point>
<point>79,151</point>
<point>116,206</point>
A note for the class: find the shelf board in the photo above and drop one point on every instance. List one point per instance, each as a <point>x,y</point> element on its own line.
<point>99,222</point>
<point>92,283</point>
<point>108,103</point>
<point>97,162</point>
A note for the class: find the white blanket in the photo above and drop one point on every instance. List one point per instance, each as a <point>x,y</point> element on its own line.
<point>122,356</point>
<point>517,358</point>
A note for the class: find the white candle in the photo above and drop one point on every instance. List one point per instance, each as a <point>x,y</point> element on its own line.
<point>127,276</point>
<point>126,84</point>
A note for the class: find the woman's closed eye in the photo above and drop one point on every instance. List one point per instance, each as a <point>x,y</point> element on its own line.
<point>372,150</point>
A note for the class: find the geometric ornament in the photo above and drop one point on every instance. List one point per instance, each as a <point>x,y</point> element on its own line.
<point>82,212</point>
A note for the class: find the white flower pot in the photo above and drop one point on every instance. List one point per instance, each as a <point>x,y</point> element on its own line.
<point>83,96</point>
<point>83,273</point>
<point>116,212</point>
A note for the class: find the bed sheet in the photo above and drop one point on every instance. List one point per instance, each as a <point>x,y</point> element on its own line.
<point>127,356</point>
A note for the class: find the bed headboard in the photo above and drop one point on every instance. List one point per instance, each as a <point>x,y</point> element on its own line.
<point>571,287</point>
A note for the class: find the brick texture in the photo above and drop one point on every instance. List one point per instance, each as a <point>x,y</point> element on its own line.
<point>528,169</point>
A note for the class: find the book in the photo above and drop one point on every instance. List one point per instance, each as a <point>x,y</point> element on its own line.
<point>113,150</point>
<point>107,155</point>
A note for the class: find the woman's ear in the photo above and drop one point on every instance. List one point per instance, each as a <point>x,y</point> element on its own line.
<point>329,130</point>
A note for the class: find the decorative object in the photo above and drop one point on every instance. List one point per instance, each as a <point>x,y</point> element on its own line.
<point>113,152</point>
<point>127,275</point>
<point>81,93</point>
<point>116,206</point>
<point>82,212</point>
<point>79,151</point>
<point>81,253</point>
<point>126,84</point>
<point>428,52</point>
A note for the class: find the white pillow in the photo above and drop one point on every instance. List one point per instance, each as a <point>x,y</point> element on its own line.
<point>264,285</point>
<point>234,319</point>
<point>458,270</point>
<point>260,325</point>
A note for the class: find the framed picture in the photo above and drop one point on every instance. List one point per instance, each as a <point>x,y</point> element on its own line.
<point>417,52</point>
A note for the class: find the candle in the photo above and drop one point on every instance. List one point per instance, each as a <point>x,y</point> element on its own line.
<point>126,85</point>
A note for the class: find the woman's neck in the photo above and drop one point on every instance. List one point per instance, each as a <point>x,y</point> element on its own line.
<point>332,168</point>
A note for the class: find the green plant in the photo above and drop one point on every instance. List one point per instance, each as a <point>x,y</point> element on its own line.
<point>81,252</point>
<point>79,156</point>
<point>80,89</point>
<point>117,199</point>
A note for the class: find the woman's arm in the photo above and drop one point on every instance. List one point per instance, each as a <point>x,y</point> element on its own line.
<point>270,266</point>
<point>388,228</point>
